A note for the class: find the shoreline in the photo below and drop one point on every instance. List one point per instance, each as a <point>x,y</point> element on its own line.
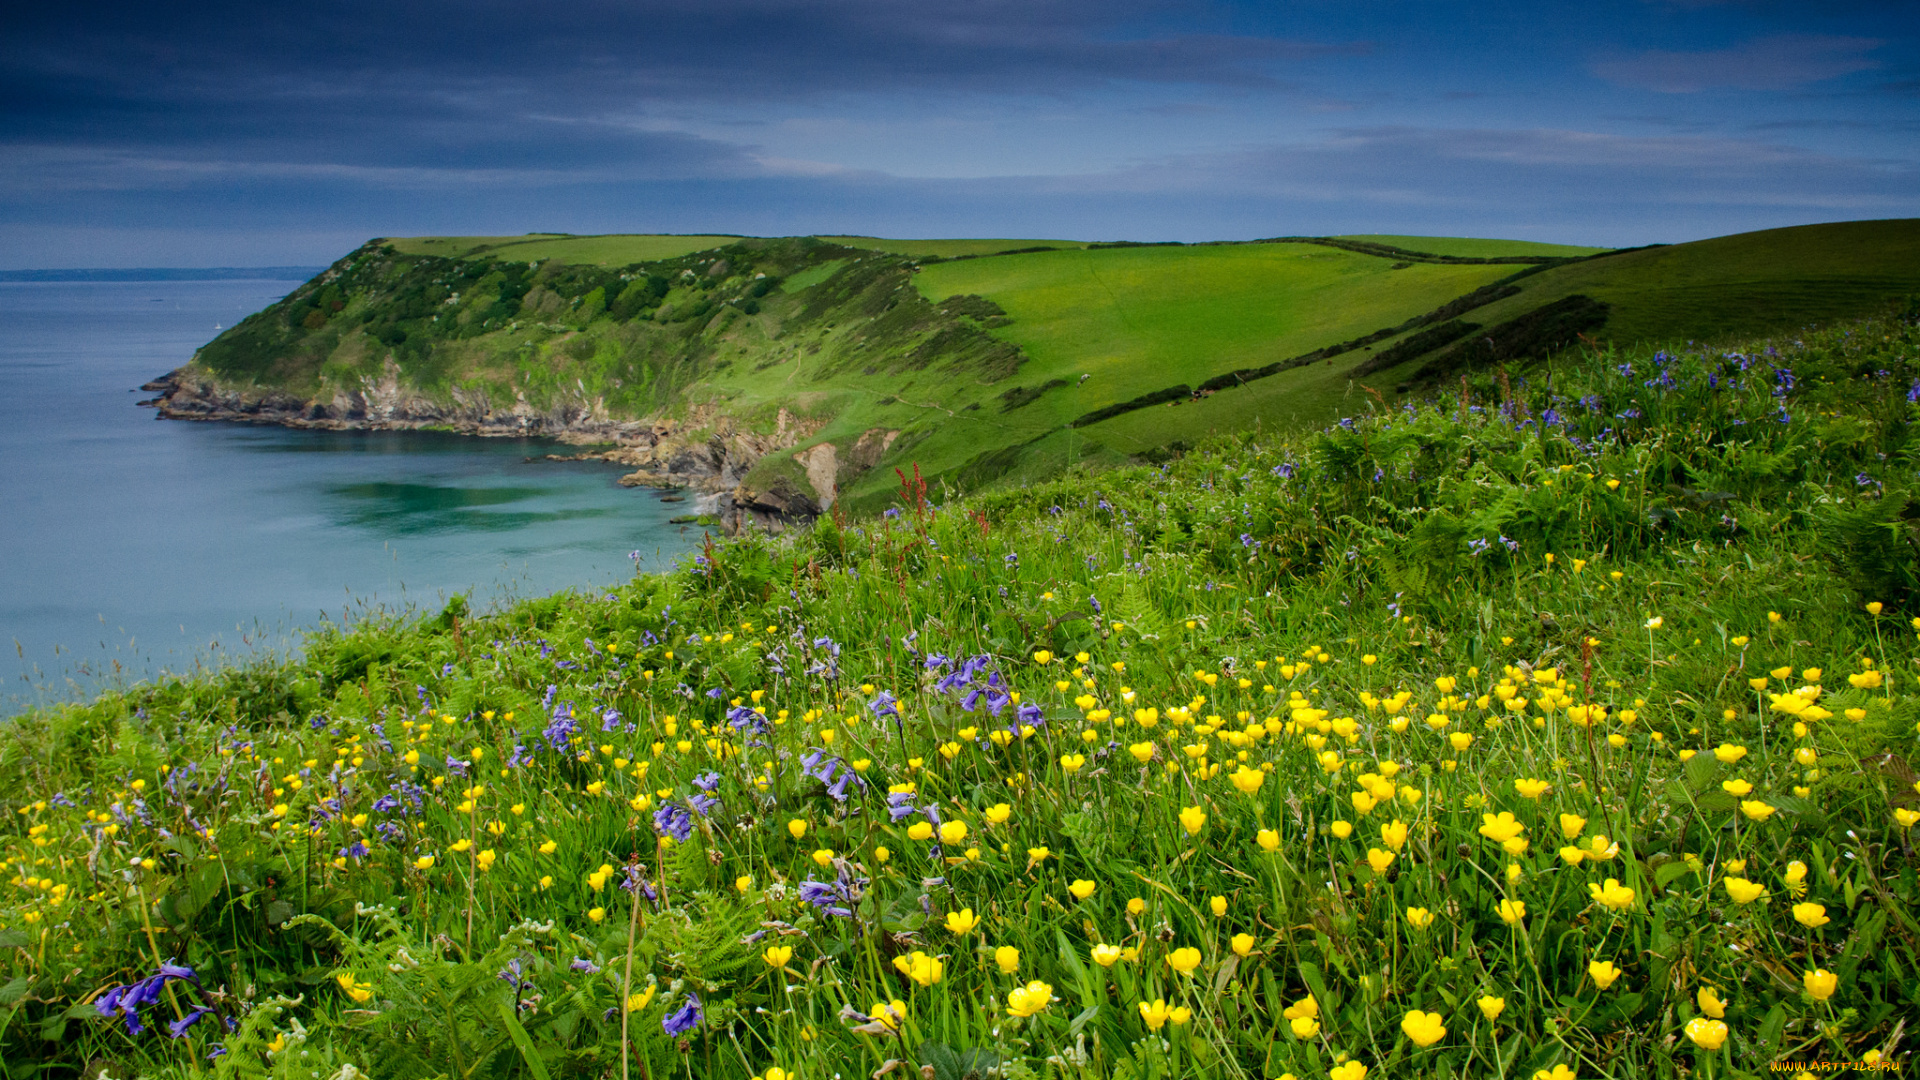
<point>712,462</point>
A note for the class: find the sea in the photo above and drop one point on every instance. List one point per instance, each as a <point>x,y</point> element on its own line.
<point>132,547</point>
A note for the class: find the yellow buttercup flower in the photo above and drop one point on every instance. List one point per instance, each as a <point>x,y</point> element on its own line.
<point>1812,916</point>
<point>1304,1027</point>
<point>776,956</point>
<point>1184,960</point>
<point>638,1001</point>
<point>1424,1028</point>
<point>360,992</point>
<point>1340,829</point>
<point>921,968</point>
<point>962,921</point>
<point>1603,972</point>
<point>1351,1070</point>
<point>1821,984</point>
<point>1029,999</point>
<point>1081,889</point>
<point>920,830</point>
<point>424,862</point>
<point>1306,1006</point>
<point>1268,839</point>
<point>1217,905</point>
<point>1247,780</point>
<point>1193,819</point>
<point>953,832</point>
<point>1707,1034</point>
<point>797,827</point>
<point>1531,789</point>
<point>1394,834</point>
<point>1710,1002</point>
<point>891,1013</point>
<point>1157,1014</point>
<point>1796,878</point>
<point>1242,944</point>
<point>1491,1007</point>
<point>1512,912</point>
<point>1419,918</point>
<point>1007,958</point>
<point>1500,827</point>
<point>1728,753</point>
<point>1105,955</point>
<point>1613,895</point>
<point>1379,860</point>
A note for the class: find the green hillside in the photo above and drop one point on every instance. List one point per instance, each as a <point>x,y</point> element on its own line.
<point>1527,731</point>
<point>1474,248</point>
<point>949,249</point>
<point>996,360</point>
<point>614,250</point>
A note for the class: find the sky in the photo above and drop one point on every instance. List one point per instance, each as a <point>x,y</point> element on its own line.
<point>233,134</point>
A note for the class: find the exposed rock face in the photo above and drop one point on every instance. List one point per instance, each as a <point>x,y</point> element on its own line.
<point>384,404</point>
<point>713,459</point>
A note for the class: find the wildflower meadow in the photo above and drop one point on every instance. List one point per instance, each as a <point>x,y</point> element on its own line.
<point>1559,725</point>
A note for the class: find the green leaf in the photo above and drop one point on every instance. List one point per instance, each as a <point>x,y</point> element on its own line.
<point>1082,1020</point>
<point>1670,873</point>
<point>519,1036</point>
<point>14,990</point>
<point>1700,771</point>
<point>14,939</point>
<point>1310,974</point>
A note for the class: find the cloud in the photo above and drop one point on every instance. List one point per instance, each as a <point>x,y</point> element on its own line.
<point>1780,62</point>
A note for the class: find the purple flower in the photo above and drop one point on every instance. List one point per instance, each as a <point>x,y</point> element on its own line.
<point>561,730</point>
<point>587,966</point>
<point>831,897</point>
<point>128,1000</point>
<point>684,1019</point>
<point>883,705</point>
<point>673,820</point>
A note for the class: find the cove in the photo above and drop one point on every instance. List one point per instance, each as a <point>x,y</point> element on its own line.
<point>131,546</point>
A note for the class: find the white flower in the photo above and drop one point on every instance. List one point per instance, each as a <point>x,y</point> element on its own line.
<point>1655,622</point>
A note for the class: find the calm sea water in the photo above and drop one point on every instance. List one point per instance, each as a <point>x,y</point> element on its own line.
<point>130,545</point>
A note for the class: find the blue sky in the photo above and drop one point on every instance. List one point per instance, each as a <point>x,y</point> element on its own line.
<point>260,133</point>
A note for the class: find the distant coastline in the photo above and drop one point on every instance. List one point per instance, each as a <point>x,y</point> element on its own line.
<point>168,273</point>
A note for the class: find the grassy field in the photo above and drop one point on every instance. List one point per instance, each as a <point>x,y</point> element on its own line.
<point>1531,732</point>
<point>1752,282</point>
<point>947,249</point>
<point>1472,247</point>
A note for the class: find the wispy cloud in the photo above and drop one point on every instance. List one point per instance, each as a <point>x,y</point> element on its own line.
<point>1780,62</point>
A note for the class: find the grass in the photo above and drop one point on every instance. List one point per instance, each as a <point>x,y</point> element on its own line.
<point>1748,283</point>
<point>948,249</point>
<point>1473,247</point>
<point>1138,318</point>
<point>611,250</point>
<point>1241,766</point>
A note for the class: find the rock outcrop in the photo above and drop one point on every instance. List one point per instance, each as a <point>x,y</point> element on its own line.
<point>713,458</point>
